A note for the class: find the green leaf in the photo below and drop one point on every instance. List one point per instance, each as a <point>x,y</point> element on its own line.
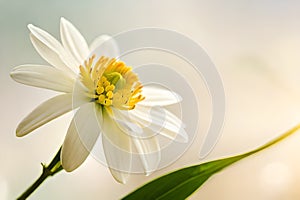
<point>183,182</point>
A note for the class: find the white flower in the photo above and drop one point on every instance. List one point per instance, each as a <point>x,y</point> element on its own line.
<point>112,105</point>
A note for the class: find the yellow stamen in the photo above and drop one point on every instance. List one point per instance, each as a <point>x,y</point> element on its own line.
<point>101,98</point>
<point>109,94</point>
<point>111,83</point>
<point>100,90</point>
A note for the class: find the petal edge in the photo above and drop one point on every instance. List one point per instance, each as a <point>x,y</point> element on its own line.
<point>44,113</point>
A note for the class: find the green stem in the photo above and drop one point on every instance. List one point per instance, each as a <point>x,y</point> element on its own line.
<point>50,170</point>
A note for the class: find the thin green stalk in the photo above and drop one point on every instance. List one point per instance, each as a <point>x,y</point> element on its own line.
<point>50,170</point>
<point>276,140</point>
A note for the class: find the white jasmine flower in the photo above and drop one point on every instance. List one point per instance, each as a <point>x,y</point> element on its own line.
<point>111,103</point>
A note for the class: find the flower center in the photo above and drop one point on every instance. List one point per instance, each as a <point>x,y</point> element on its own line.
<point>111,83</point>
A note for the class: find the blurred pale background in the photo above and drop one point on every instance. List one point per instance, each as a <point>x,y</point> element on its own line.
<point>256,47</point>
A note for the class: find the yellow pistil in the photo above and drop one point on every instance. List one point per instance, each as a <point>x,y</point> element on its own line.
<point>111,83</point>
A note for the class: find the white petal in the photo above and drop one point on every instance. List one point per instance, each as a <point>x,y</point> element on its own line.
<point>51,50</point>
<point>149,152</point>
<point>79,94</point>
<point>117,149</point>
<point>119,176</point>
<point>144,140</point>
<point>161,121</point>
<point>156,95</point>
<point>73,41</point>
<point>174,128</point>
<point>43,77</point>
<point>124,122</point>
<point>81,136</point>
<point>44,113</point>
<point>104,45</point>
